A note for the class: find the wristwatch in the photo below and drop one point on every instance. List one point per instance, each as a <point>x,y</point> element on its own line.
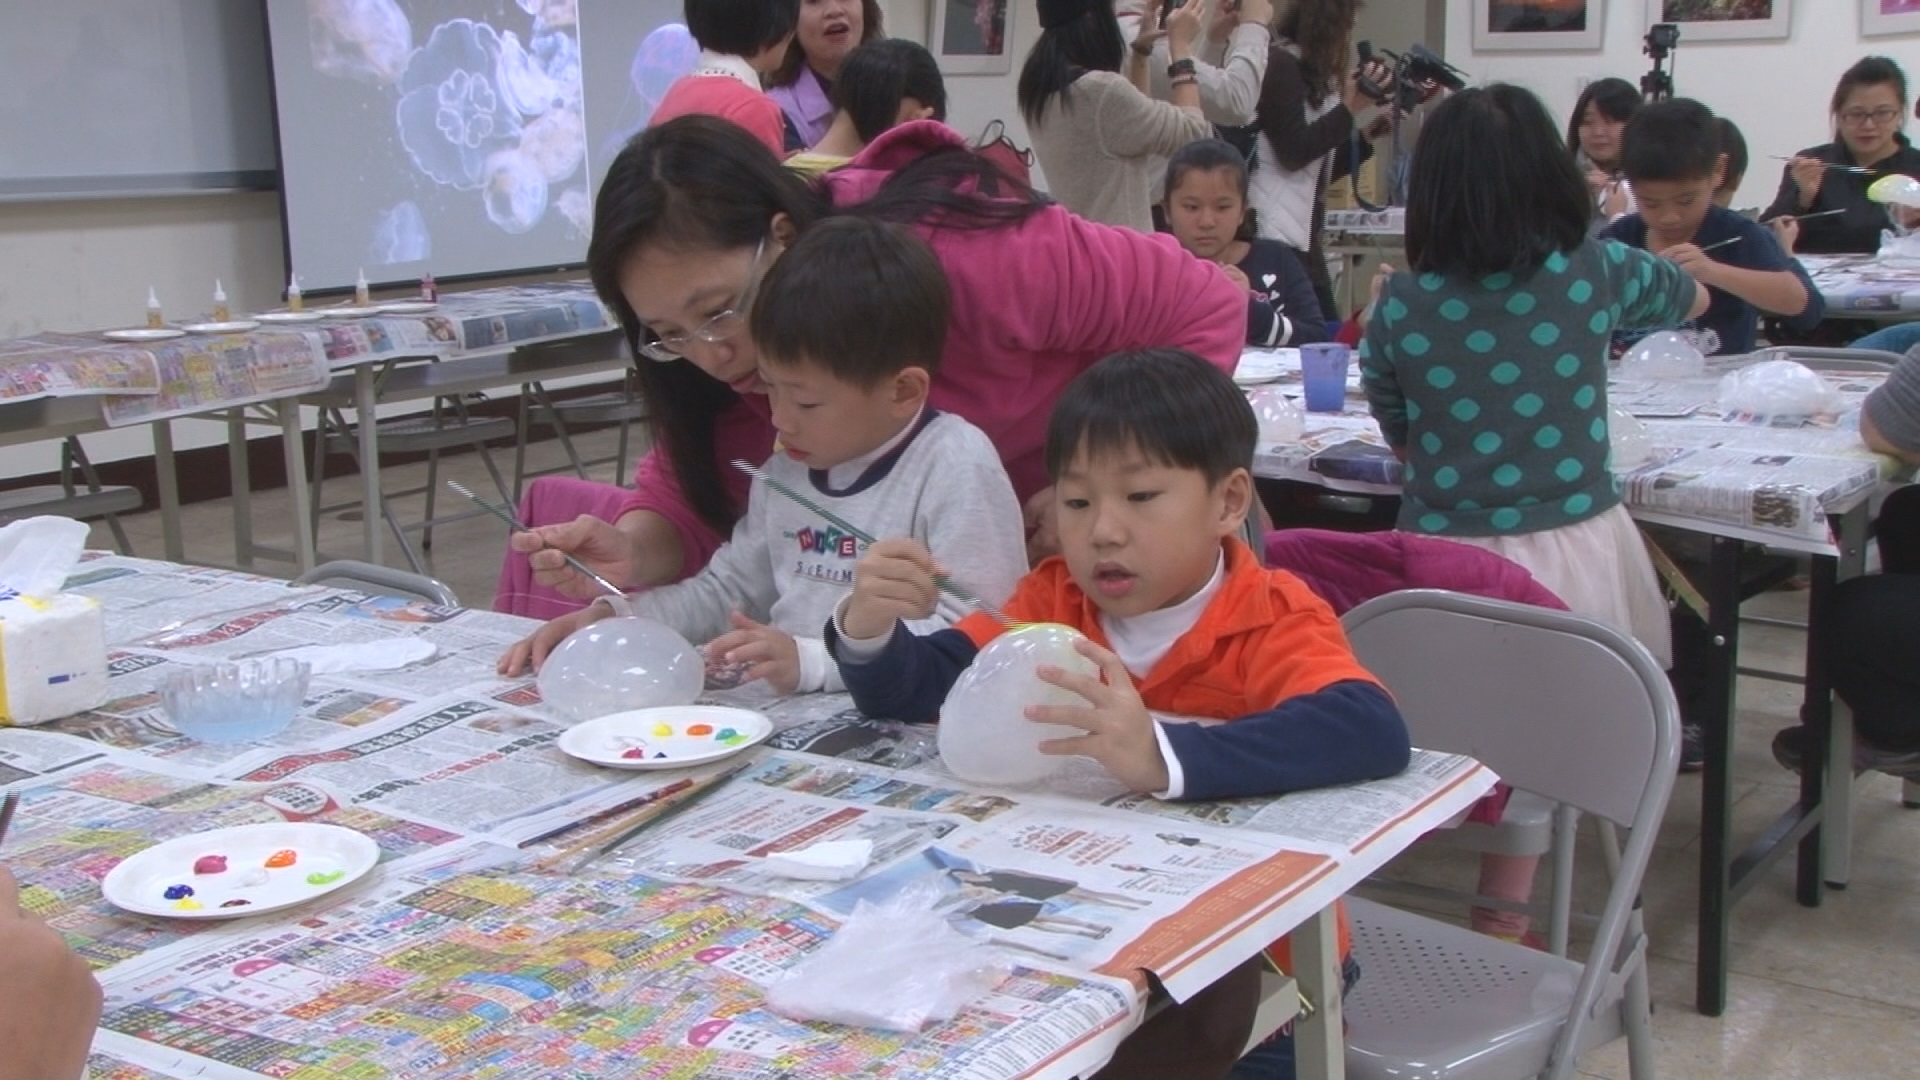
<point>1180,67</point>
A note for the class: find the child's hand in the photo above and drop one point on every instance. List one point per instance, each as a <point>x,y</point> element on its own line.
<point>529,653</point>
<point>768,653</point>
<point>1119,733</point>
<point>893,582</point>
<point>1379,283</point>
<point>1786,229</point>
<point>1698,264</point>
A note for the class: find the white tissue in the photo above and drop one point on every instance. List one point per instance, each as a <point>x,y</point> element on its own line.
<point>829,860</point>
<point>390,655</point>
<point>53,645</point>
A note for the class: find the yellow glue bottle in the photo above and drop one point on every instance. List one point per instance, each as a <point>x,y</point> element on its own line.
<point>221,312</point>
<point>155,319</point>
<point>362,296</point>
<point>294,300</point>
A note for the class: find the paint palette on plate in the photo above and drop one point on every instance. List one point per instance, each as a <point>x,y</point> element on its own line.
<point>241,870</point>
<point>670,737</point>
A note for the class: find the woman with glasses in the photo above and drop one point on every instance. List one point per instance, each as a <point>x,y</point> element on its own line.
<point>693,212</point>
<point>1869,111</point>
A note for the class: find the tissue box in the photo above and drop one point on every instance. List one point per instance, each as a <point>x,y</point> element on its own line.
<point>53,658</point>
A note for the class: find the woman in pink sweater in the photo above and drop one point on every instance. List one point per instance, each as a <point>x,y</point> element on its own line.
<point>692,213</point>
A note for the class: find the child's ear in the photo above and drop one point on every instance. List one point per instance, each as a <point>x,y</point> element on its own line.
<point>1236,502</point>
<point>910,388</point>
<point>785,232</point>
<point>1719,171</point>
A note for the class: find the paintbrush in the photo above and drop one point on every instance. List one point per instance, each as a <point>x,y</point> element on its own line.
<point>945,583</point>
<point>1721,244</point>
<point>659,811</point>
<point>1803,217</point>
<point>7,806</point>
<point>1857,170</point>
<point>612,812</point>
<point>609,587</point>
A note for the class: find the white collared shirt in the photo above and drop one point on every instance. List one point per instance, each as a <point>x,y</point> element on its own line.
<point>728,65</point>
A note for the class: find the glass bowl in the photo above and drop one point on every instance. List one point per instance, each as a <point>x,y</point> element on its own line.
<point>236,702</point>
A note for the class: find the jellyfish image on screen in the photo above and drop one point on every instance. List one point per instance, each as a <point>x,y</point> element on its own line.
<point>515,193</point>
<point>400,236</point>
<point>451,116</point>
<point>662,57</point>
<point>366,40</point>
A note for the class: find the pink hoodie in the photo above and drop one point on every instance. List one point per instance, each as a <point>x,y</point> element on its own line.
<point>1034,304</point>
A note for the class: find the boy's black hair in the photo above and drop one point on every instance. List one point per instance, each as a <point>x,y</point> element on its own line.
<point>1491,188</point>
<point>1870,71</point>
<point>1675,139</point>
<point>877,76</point>
<point>1174,407</point>
<point>1617,100</point>
<point>862,298</point>
<point>1734,145</point>
<point>740,27</point>
<point>1206,155</point>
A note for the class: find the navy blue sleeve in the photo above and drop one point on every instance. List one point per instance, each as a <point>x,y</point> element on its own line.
<point>909,680</point>
<point>1264,325</point>
<point>1816,309</point>
<point>1284,309</point>
<point>1346,733</point>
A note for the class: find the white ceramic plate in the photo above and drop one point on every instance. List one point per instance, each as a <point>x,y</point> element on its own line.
<point>407,307</point>
<point>144,334</point>
<point>670,737</point>
<point>350,312</point>
<point>289,316</point>
<point>326,858</point>
<point>231,326</point>
<point>1266,365</point>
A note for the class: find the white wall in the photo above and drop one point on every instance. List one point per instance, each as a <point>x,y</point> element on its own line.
<point>1777,91</point>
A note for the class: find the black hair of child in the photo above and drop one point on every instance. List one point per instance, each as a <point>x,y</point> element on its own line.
<point>740,27</point>
<point>1672,140</point>
<point>861,298</point>
<point>1170,405</point>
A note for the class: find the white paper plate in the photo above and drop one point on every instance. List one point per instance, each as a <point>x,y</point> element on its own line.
<point>350,312</point>
<point>144,334</point>
<point>289,316</point>
<point>1266,365</point>
<point>334,856</point>
<point>408,307</point>
<point>231,326</point>
<point>671,737</point>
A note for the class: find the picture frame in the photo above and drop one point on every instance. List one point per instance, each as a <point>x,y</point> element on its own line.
<point>1705,20</point>
<point>972,37</point>
<point>1879,18</point>
<point>1538,25</point>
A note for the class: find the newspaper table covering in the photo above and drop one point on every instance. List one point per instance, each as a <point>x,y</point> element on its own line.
<point>465,955</point>
<point>483,320</point>
<point>68,365</point>
<point>1727,474</point>
<point>1865,284</point>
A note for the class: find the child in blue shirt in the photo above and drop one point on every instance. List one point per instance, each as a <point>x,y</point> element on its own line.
<point>1672,155</point>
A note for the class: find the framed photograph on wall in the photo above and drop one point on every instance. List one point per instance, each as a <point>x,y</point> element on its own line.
<point>1878,17</point>
<point>1724,20</point>
<point>971,37</point>
<point>1536,25</point>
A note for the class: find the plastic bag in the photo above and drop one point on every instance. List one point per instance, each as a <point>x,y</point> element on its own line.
<point>1632,442</point>
<point>1665,354</point>
<point>897,965</point>
<point>1280,419</point>
<point>1776,389</point>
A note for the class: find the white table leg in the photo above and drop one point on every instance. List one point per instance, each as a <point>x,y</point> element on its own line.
<point>167,478</point>
<point>297,492</point>
<point>364,408</point>
<point>1319,1042</point>
<point>240,477</point>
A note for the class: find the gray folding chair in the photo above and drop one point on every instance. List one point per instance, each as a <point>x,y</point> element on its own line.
<point>379,580</point>
<point>1556,704</point>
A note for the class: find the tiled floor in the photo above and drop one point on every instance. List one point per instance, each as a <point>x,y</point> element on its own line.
<point>1827,992</point>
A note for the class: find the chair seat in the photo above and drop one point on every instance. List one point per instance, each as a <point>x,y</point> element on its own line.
<point>1439,1002</point>
<point>53,499</point>
<point>1524,828</point>
<point>415,434</point>
<point>613,407</point>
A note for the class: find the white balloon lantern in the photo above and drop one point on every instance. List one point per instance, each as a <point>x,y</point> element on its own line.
<point>985,736</point>
<point>627,662</point>
<point>1280,419</point>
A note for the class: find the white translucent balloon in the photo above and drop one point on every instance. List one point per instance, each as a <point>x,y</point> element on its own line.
<point>1776,389</point>
<point>1281,420</point>
<point>1632,442</point>
<point>985,736</point>
<point>619,664</point>
<point>1897,189</point>
<point>1662,355</point>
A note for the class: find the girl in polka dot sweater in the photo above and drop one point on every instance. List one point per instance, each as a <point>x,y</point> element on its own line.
<point>1485,362</point>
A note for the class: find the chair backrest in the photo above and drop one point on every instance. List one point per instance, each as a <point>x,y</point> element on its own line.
<point>1554,703</point>
<point>381,580</point>
<point>1821,358</point>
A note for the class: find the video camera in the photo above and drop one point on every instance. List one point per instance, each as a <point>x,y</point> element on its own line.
<point>1661,40</point>
<point>1411,74</point>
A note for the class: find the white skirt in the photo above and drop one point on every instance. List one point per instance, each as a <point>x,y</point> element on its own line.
<point>1598,568</point>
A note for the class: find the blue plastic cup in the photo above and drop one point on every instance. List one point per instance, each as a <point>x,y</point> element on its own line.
<point>1323,374</point>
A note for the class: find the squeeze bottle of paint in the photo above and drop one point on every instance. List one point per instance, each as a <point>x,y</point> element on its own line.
<point>362,296</point>
<point>428,290</point>
<point>155,320</point>
<point>221,312</point>
<point>294,300</point>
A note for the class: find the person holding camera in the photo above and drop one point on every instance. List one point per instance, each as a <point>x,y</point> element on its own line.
<point>1229,60</point>
<point>1311,103</point>
<point>1097,134</point>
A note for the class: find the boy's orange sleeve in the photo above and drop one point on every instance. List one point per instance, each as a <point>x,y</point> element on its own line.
<point>1305,651</point>
<point>1035,599</point>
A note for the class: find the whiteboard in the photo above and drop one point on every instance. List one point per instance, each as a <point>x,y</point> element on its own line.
<point>131,97</point>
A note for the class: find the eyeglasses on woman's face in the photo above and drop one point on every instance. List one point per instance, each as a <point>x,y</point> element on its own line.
<point>724,325</point>
<point>1879,117</point>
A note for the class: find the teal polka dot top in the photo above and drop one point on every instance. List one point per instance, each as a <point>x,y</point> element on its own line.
<point>1496,389</point>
